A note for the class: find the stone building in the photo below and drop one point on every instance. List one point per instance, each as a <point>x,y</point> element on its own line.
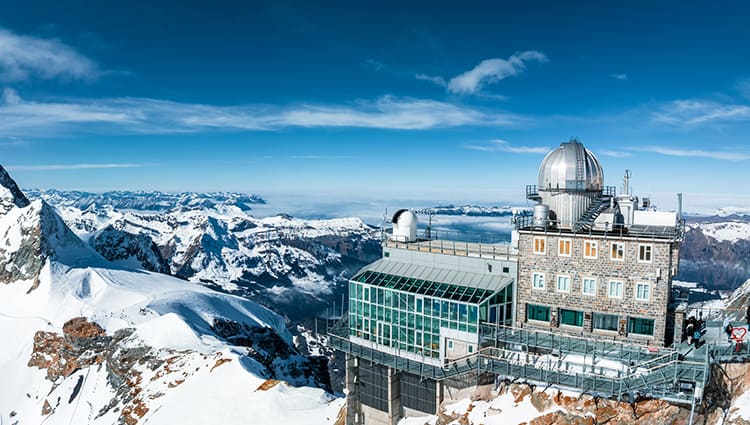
<point>591,261</point>
<point>435,318</point>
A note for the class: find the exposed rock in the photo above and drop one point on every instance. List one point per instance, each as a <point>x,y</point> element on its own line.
<point>80,327</point>
<point>119,245</point>
<point>10,195</point>
<point>279,359</point>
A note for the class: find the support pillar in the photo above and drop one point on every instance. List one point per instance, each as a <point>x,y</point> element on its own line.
<point>354,414</point>
<point>394,396</point>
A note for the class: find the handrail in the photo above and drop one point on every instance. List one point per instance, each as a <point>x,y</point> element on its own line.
<point>590,338</point>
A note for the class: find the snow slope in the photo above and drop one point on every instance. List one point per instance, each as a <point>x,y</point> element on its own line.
<point>167,314</point>
<point>88,341</point>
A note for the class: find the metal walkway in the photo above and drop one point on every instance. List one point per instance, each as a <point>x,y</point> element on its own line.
<point>604,368</point>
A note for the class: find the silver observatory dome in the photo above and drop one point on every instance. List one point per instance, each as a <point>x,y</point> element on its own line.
<point>571,167</point>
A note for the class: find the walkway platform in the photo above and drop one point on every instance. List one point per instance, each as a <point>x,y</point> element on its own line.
<point>599,367</point>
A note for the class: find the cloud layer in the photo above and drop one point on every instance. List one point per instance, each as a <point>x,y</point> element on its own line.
<point>142,115</point>
<point>695,112</point>
<point>499,145</point>
<point>25,57</point>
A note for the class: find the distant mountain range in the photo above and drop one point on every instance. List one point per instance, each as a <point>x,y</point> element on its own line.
<point>296,267</point>
<point>91,337</point>
<point>147,201</point>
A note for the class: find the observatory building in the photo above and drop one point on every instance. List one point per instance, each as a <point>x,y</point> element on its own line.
<point>592,261</point>
<point>589,271</point>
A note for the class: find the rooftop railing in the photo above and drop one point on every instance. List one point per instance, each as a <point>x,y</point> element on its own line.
<point>532,191</point>
<point>467,244</point>
<point>555,227</point>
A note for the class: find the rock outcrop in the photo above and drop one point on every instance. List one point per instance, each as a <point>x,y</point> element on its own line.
<point>119,245</point>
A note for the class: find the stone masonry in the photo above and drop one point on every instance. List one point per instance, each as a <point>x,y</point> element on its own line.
<point>658,273</point>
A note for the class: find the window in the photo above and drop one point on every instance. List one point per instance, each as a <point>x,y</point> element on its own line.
<point>450,344</point>
<point>643,291</point>
<point>537,312</point>
<point>471,348</point>
<point>537,281</point>
<point>540,245</point>
<point>640,326</point>
<point>563,283</point>
<point>618,251</point>
<point>615,288</point>
<point>571,317</point>
<point>605,322</point>
<point>588,287</point>
<point>590,249</point>
<point>563,247</point>
<point>644,253</point>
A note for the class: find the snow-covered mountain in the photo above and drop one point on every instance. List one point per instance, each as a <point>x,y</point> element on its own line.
<point>474,210</point>
<point>295,266</point>
<point>716,250</point>
<point>90,341</point>
<point>148,201</point>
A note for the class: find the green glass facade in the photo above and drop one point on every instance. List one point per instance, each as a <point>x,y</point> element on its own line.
<point>412,321</point>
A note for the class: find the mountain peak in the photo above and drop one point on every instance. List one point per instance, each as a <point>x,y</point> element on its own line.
<point>10,195</point>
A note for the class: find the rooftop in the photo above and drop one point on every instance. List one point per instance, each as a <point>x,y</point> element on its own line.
<point>466,244</point>
<point>432,281</point>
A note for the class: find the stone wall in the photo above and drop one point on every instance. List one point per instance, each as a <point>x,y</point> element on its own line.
<point>657,272</point>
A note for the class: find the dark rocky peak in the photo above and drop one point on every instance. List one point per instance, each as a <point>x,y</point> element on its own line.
<point>10,195</point>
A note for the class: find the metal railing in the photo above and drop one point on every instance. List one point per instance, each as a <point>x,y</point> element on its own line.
<point>555,227</point>
<point>536,358</point>
<point>532,191</point>
<point>466,244</point>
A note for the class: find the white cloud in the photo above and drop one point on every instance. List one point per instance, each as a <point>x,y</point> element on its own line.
<point>615,154</point>
<point>694,112</point>
<point>622,77</point>
<point>141,115</point>
<point>24,57</point>
<point>440,81</point>
<point>493,70</point>
<point>67,167</point>
<point>696,153</point>
<point>499,145</point>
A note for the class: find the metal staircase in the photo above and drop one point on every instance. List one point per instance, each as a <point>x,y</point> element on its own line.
<point>586,221</point>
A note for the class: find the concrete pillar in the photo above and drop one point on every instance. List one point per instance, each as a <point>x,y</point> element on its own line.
<point>679,322</point>
<point>394,396</point>
<point>353,408</point>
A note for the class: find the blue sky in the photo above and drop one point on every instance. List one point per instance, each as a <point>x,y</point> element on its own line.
<point>375,100</point>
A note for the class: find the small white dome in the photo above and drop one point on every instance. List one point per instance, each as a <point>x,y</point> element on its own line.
<point>405,226</point>
<point>571,167</point>
<point>404,218</point>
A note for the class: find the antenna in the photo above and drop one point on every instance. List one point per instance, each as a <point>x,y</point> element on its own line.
<point>626,182</point>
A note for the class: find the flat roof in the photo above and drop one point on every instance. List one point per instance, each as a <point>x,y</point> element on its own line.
<point>429,281</point>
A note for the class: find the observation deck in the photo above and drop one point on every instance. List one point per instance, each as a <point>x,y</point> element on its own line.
<point>595,366</point>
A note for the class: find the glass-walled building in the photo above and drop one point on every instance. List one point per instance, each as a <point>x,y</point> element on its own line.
<point>424,311</point>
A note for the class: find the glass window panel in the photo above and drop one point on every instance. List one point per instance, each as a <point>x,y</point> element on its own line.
<point>463,312</point>
<point>537,312</point>
<point>641,326</point>
<point>571,317</point>
<point>607,322</point>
